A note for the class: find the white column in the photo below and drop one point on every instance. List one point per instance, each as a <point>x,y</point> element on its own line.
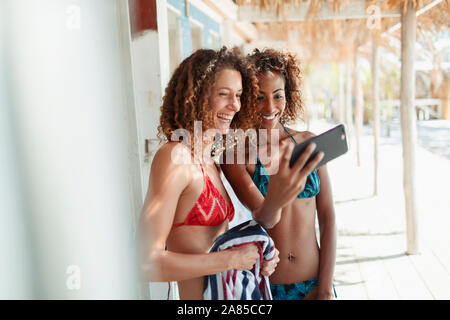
<point>150,55</point>
<point>70,100</point>
<point>151,61</point>
<point>16,276</point>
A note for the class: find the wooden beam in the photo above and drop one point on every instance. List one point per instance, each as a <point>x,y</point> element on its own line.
<point>417,102</point>
<point>418,13</point>
<point>227,9</point>
<point>408,126</point>
<point>355,10</point>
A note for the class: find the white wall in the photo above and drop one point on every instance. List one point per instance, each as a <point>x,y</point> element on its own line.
<point>150,67</point>
<point>15,272</point>
<point>70,102</point>
<point>175,43</point>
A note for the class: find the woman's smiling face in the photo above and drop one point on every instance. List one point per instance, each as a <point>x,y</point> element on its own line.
<point>225,98</point>
<point>271,98</point>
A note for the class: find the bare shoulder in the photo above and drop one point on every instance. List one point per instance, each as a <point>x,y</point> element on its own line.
<point>173,153</point>
<point>172,159</point>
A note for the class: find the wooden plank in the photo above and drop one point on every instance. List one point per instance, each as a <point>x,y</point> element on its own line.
<point>434,275</point>
<point>403,276</point>
<point>442,254</point>
<point>356,10</point>
<point>406,280</point>
<point>372,252</point>
<point>351,284</point>
<point>378,280</point>
<point>348,280</point>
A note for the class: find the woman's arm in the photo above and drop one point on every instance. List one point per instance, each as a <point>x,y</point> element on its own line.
<point>167,182</point>
<point>249,195</point>
<point>283,187</point>
<point>327,226</point>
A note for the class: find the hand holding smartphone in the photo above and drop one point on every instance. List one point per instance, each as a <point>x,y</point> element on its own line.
<point>333,143</point>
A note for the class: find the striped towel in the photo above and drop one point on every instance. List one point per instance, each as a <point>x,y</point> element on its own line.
<point>241,284</point>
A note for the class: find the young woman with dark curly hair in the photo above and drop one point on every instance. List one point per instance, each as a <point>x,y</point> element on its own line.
<point>304,270</point>
<point>186,206</point>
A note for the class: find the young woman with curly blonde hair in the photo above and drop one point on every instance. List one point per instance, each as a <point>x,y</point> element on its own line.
<point>305,271</point>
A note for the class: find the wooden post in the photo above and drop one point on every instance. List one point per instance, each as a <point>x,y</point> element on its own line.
<point>444,95</point>
<point>186,7</point>
<point>309,102</point>
<point>408,125</point>
<point>358,104</point>
<point>375,110</point>
<point>341,94</point>
<point>348,100</point>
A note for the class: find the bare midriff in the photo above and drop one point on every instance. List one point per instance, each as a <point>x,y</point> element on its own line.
<point>294,235</point>
<point>295,238</point>
<point>193,239</point>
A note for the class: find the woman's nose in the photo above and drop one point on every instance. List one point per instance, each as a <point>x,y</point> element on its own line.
<point>236,104</point>
<point>269,106</point>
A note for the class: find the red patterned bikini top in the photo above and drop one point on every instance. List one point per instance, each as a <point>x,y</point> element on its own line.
<point>211,209</point>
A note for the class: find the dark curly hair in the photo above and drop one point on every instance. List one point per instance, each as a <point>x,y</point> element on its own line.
<point>288,66</point>
<point>187,94</point>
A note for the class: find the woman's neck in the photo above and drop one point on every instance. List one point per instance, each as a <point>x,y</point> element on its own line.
<point>276,130</point>
<point>203,155</point>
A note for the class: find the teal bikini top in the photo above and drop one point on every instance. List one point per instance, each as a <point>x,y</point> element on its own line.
<point>261,179</point>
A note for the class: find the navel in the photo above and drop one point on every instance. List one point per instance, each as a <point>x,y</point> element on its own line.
<point>291,256</point>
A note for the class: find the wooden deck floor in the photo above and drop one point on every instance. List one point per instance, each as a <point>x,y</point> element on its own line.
<point>374,266</point>
<point>371,261</point>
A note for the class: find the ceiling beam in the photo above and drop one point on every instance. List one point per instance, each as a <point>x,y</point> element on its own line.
<point>353,10</point>
<point>418,13</point>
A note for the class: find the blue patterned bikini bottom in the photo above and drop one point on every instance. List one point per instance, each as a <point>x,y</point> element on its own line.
<point>294,291</point>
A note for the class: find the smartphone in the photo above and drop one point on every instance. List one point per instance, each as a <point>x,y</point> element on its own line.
<point>333,143</point>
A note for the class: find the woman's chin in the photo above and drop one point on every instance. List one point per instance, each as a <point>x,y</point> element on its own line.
<point>269,124</point>
<point>222,127</point>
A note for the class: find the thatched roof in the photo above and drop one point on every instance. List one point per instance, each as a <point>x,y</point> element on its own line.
<point>281,6</point>
<point>335,40</point>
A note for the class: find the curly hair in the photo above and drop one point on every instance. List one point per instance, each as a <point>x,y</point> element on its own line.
<point>187,94</point>
<point>288,66</point>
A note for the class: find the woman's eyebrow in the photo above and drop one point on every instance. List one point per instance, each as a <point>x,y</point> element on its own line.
<point>227,88</point>
<point>261,91</point>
